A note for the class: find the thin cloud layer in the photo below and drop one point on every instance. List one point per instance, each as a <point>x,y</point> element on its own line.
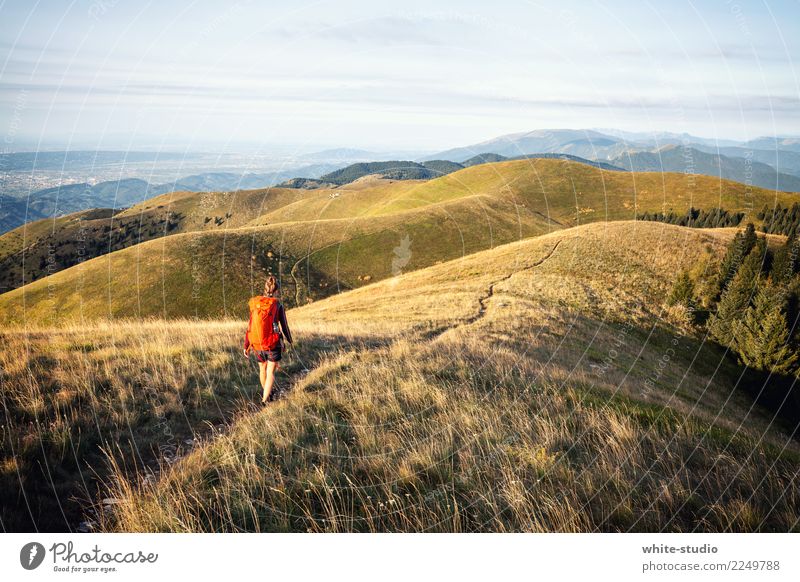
<point>363,75</point>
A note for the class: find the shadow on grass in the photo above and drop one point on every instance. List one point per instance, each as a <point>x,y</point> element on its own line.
<point>778,394</point>
<point>55,457</point>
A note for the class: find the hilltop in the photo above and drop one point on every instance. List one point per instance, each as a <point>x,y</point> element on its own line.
<point>538,401</point>
<point>766,162</point>
<point>324,241</point>
<point>64,199</point>
<point>47,246</point>
<point>407,170</point>
<point>680,159</point>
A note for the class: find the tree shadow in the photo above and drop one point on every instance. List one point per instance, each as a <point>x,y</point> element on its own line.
<point>777,393</point>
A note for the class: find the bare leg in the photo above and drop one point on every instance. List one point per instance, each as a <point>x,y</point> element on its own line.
<point>271,368</point>
<point>262,376</point>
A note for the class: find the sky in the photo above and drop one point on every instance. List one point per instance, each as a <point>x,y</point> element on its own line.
<point>389,76</point>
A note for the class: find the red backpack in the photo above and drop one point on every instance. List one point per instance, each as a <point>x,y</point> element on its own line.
<point>264,333</point>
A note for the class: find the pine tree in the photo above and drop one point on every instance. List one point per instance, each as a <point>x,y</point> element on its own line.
<point>737,296</point>
<point>682,291</point>
<point>738,249</point>
<point>749,238</point>
<point>761,338</point>
<point>784,262</point>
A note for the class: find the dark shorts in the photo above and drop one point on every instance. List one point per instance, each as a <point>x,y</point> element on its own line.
<point>268,355</point>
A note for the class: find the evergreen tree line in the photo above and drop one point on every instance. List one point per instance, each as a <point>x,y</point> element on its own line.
<point>696,218</point>
<point>779,220</point>
<point>752,302</point>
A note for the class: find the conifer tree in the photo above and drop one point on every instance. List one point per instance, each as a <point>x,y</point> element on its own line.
<point>682,291</point>
<point>738,249</point>
<point>783,263</point>
<point>737,296</point>
<point>761,337</point>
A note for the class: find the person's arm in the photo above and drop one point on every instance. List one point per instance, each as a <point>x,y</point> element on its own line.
<point>284,324</point>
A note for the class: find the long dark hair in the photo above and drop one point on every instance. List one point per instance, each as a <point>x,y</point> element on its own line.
<point>271,287</point>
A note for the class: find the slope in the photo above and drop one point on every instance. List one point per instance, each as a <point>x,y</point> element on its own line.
<point>48,246</point>
<point>566,192</point>
<point>517,389</point>
<point>681,159</point>
<point>332,240</point>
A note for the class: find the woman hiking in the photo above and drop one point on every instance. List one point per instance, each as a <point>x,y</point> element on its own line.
<point>264,337</point>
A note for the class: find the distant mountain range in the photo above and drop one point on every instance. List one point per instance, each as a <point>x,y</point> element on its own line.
<point>766,162</point>
<point>14,213</point>
<point>786,161</point>
<point>408,170</point>
<point>68,198</point>
<point>587,144</point>
<point>691,160</point>
<point>610,144</point>
<point>772,163</point>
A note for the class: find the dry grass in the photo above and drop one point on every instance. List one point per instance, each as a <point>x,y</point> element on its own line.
<point>136,390</point>
<point>571,402</point>
<point>319,244</point>
<point>372,442</point>
<point>539,386</point>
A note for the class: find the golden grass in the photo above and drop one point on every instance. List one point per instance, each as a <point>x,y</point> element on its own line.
<point>138,389</point>
<point>552,409</point>
<point>326,243</point>
<point>538,386</point>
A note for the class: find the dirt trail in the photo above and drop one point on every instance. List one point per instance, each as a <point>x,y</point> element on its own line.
<point>287,381</point>
<point>482,301</point>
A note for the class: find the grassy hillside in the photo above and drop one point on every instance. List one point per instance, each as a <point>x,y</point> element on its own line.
<point>48,246</point>
<point>679,159</point>
<point>327,240</point>
<point>393,170</point>
<point>490,157</point>
<point>566,191</point>
<point>538,400</point>
<point>211,274</point>
<point>74,394</point>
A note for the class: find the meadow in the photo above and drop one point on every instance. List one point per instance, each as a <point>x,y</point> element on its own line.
<point>202,254</point>
<point>543,385</point>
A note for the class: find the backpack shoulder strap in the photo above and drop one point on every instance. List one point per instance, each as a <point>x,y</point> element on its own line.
<point>273,308</point>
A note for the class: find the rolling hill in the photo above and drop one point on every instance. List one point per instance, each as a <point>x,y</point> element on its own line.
<point>14,212</point>
<point>324,241</point>
<point>69,198</point>
<point>584,143</point>
<point>393,170</point>
<point>768,163</point>
<point>51,245</point>
<point>683,159</point>
<point>489,158</point>
<point>783,160</point>
<point>538,401</point>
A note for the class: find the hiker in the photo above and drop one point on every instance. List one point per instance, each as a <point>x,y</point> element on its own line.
<point>265,333</point>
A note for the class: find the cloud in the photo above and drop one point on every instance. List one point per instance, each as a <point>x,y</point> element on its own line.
<point>397,30</point>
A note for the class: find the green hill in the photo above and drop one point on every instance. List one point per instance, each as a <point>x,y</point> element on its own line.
<point>393,170</point>
<point>537,402</point>
<point>324,241</point>
<point>491,158</point>
<point>47,246</point>
<point>682,159</point>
